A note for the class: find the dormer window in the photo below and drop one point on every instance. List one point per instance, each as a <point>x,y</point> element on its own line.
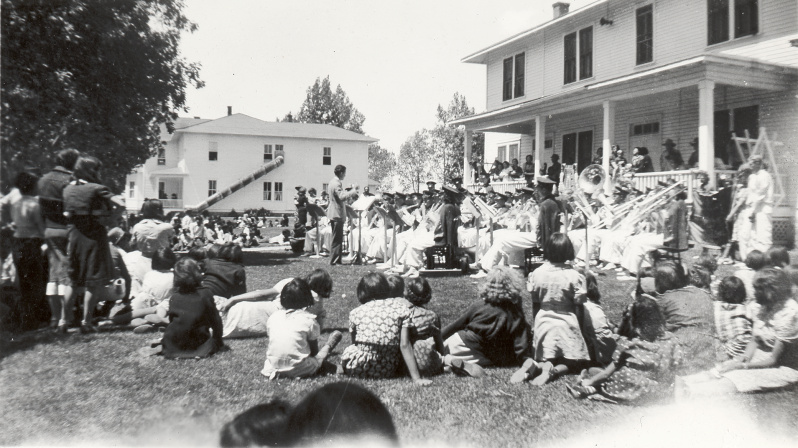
<point>578,51</point>
<point>513,80</point>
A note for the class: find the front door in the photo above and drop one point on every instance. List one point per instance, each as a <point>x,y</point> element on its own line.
<point>577,148</point>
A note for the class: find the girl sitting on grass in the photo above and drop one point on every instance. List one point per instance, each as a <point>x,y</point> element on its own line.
<point>732,324</point>
<point>156,290</point>
<point>596,328</point>
<point>195,328</point>
<point>423,332</point>
<point>376,329</point>
<point>642,367</point>
<point>558,292</point>
<point>293,336</point>
<point>493,331</point>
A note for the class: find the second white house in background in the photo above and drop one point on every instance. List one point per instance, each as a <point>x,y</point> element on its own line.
<point>204,157</point>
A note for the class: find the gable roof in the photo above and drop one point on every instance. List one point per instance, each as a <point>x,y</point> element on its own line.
<point>241,124</point>
<point>180,123</point>
<point>480,57</point>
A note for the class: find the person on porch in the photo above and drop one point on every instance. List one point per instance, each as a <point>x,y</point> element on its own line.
<point>760,200</point>
<point>671,158</point>
<point>554,171</point>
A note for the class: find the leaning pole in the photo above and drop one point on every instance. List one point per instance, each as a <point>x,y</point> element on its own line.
<point>237,185</point>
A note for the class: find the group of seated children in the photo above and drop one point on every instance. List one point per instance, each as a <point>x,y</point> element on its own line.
<point>672,331</point>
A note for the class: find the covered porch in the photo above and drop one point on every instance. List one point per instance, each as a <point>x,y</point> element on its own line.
<point>680,101</point>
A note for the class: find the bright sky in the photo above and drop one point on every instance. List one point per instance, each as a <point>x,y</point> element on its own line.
<point>396,60</point>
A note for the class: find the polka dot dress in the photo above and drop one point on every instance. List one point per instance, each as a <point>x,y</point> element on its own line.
<point>378,325</point>
<point>644,369</point>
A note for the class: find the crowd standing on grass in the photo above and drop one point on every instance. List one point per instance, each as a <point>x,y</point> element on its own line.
<point>683,329</point>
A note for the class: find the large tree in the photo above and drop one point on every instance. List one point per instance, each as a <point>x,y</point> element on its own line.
<point>95,75</point>
<point>381,165</point>
<point>415,164</point>
<point>322,105</point>
<point>448,141</point>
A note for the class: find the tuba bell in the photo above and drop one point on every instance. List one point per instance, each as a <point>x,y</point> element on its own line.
<point>592,178</point>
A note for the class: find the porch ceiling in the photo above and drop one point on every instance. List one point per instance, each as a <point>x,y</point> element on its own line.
<point>724,70</point>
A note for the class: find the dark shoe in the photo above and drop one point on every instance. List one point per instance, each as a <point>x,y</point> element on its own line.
<point>87,329</point>
<point>462,368</point>
<point>578,391</point>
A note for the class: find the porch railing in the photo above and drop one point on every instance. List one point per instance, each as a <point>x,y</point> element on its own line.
<point>172,203</point>
<point>500,187</point>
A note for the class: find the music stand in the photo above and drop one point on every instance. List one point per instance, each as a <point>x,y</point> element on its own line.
<point>359,206</point>
<point>394,216</point>
<point>317,213</point>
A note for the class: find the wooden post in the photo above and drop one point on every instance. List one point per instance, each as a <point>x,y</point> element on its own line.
<point>706,129</point>
<point>606,143</point>
<point>467,176</point>
<point>540,140</point>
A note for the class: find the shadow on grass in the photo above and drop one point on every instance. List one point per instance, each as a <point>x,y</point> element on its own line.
<point>11,343</point>
<point>270,258</point>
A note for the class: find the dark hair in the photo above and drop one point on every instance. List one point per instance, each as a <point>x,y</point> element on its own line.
<point>771,286</point>
<point>320,282</point>
<point>418,292</point>
<point>555,156</point>
<point>700,277</point>
<point>67,158</point>
<point>152,209</point>
<point>26,183</point>
<point>296,294</point>
<point>197,253</point>
<point>668,276</point>
<point>708,262</point>
<point>340,410</point>
<point>642,150</point>
<point>213,251</point>
<point>88,169</point>
<point>559,248</point>
<point>373,286</point>
<point>756,260</point>
<point>646,319</point>
<point>232,253</point>
<point>731,290</point>
<point>163,259</point>
<point>777,256</point>
<point>397,285</point>
<point>591,285</point>
<point>260,425</point>
<point>339,169</point>
<point>188,276</point>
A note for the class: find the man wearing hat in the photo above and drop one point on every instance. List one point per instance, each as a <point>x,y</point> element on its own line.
<point>692,162</point>
<point>431,186</point>
<point>550,211</point>
<point>301,202</point>
<point>760,202</point>
<point>671,158</point>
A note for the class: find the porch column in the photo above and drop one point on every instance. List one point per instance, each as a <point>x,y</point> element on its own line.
<point>467,179</point>
<point>606,143</point>
<point>706,129</point>
<point>540,140</point>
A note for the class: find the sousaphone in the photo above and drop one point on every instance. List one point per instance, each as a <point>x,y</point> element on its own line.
<point>592,178</point>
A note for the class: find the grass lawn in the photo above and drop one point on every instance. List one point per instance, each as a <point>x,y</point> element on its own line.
<point>96,389</point>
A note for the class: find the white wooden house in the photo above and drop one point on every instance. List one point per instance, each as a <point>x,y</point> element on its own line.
<point>638,72</point>
<point>204,157</point>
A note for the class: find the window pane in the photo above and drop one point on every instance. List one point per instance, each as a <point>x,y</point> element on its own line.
<point>267,191</point>
<point>570,58</point>
<point>519,75</point>
<point>211,187</point>
<point>268,155</point>
<point>132,189</point>
<point>746,17</point>
<point>213,155</point>
<point>718,21</point>
<point>586,53</point>
<point>278,191</point>
<point>645,35</point>
<point>507,87</point>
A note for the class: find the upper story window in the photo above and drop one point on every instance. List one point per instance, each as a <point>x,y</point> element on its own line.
<point>578,52</point>
<point>326,158</point>
<point>132,190</point>
<point>513,79</point>
<point>645,34</point>
<point>268,153</point>
<point>213,151</point>
<point>161,156</point>
<point>742,16</point>
<point>278,147</point>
